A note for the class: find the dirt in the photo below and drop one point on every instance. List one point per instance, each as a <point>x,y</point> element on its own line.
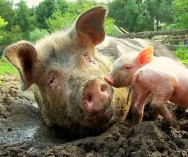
<point>23,133</point>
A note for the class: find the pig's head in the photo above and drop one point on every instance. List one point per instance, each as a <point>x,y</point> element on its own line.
<point>126,65</point>
<point>68,73</point>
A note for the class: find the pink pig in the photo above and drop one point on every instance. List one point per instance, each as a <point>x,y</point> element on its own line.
<point>162,77</point>
<point>126,65</point>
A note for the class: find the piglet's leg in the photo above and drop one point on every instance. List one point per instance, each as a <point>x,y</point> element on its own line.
<point>134,95</point>
<point>138,108</point>
<point>158,105</point>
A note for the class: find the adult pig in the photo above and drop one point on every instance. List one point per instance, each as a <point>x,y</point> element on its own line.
<point>67,68</point>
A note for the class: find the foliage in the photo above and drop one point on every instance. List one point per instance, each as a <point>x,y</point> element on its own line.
<point>110,28</point>
<point>161,11</point>
<point>37,34</point>
<point>43,11</point>
<point>61,5</point>
<point>182,54</point>
<point>7,12</point>
<point>21,15</point>
<point>181,10</point>
<point>11,36</point>
<point>51,15</point>
<point>3,23</point>
<point>7,68</point>
<point>136,15</point>
<point>60,20</point>
<point>24,23</point>
<point>63,19</point>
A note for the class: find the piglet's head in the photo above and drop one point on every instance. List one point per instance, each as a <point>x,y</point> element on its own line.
<point>126,65</point>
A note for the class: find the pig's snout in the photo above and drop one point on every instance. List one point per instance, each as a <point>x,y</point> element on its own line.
<point>95,101</point>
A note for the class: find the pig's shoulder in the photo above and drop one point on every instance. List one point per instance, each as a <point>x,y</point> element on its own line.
<point>163,66</point>
<point>167,62</point>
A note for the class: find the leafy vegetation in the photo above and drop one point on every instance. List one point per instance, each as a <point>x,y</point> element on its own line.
<point>135,15</point>
<point>19,22</point>
<point>7,68</point>
<point>3,23</point>
<point>181,11</point>
<point>182,54</point>
<point>37,34</point>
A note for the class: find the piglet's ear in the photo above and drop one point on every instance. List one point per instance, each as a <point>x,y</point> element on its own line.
<point>23,56</point>
<point>89,26</point>
<point>145,56</point>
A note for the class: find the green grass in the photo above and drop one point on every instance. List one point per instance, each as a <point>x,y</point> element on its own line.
<point>182,54</point>
<point>6,68</point>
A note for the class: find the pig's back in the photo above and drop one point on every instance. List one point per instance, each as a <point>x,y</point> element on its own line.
<point>180,97</point>
<point>158,78</point>
<point>164,65</point>
<point>171,72</point>
<point>109,47</point>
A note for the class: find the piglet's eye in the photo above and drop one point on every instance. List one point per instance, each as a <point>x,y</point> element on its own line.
<point>128,67</point>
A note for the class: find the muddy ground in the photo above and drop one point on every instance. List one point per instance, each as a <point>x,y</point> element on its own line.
<point>22,132</point>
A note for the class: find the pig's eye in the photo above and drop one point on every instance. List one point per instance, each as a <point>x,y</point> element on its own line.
<point>128,67</point>
<point>53,81</point>
<point>50,81</point>
<point>89,60</point>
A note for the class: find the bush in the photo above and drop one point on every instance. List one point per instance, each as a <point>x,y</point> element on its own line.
<point>182,53</point>
<point>15,34</point>
<point>37,34</point>
<point>60,21</point>
<point>110,28</point>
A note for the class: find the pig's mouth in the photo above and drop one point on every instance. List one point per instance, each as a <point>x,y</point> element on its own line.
<point>99,118</point>
<point>113,81</point>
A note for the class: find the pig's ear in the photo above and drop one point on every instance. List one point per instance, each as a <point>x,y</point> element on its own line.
<point>145,56</point>
<point>89,26</point>
<point>22,55</point>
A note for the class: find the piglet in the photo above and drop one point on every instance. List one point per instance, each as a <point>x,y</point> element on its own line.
<point>162,77</point>
<point>126,65</point>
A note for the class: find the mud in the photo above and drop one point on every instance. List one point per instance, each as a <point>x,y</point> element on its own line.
<point>23,133</point>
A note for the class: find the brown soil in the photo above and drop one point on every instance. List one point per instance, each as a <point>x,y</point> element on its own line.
<point>22,132</point>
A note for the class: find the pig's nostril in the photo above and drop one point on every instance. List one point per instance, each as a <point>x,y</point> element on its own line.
<point>89,98</point>
<point>104,88</point>
<point>89,103</point>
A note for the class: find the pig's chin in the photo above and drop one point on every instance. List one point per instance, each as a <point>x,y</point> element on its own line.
<point>101,119</point>
<point>119,83</point>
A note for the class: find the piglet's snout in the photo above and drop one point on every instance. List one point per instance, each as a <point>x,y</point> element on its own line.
<point>109,79</point>
<point>96,98</point>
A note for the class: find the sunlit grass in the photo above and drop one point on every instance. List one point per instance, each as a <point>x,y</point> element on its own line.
<point>6,68</point>
<point>182,54</point>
